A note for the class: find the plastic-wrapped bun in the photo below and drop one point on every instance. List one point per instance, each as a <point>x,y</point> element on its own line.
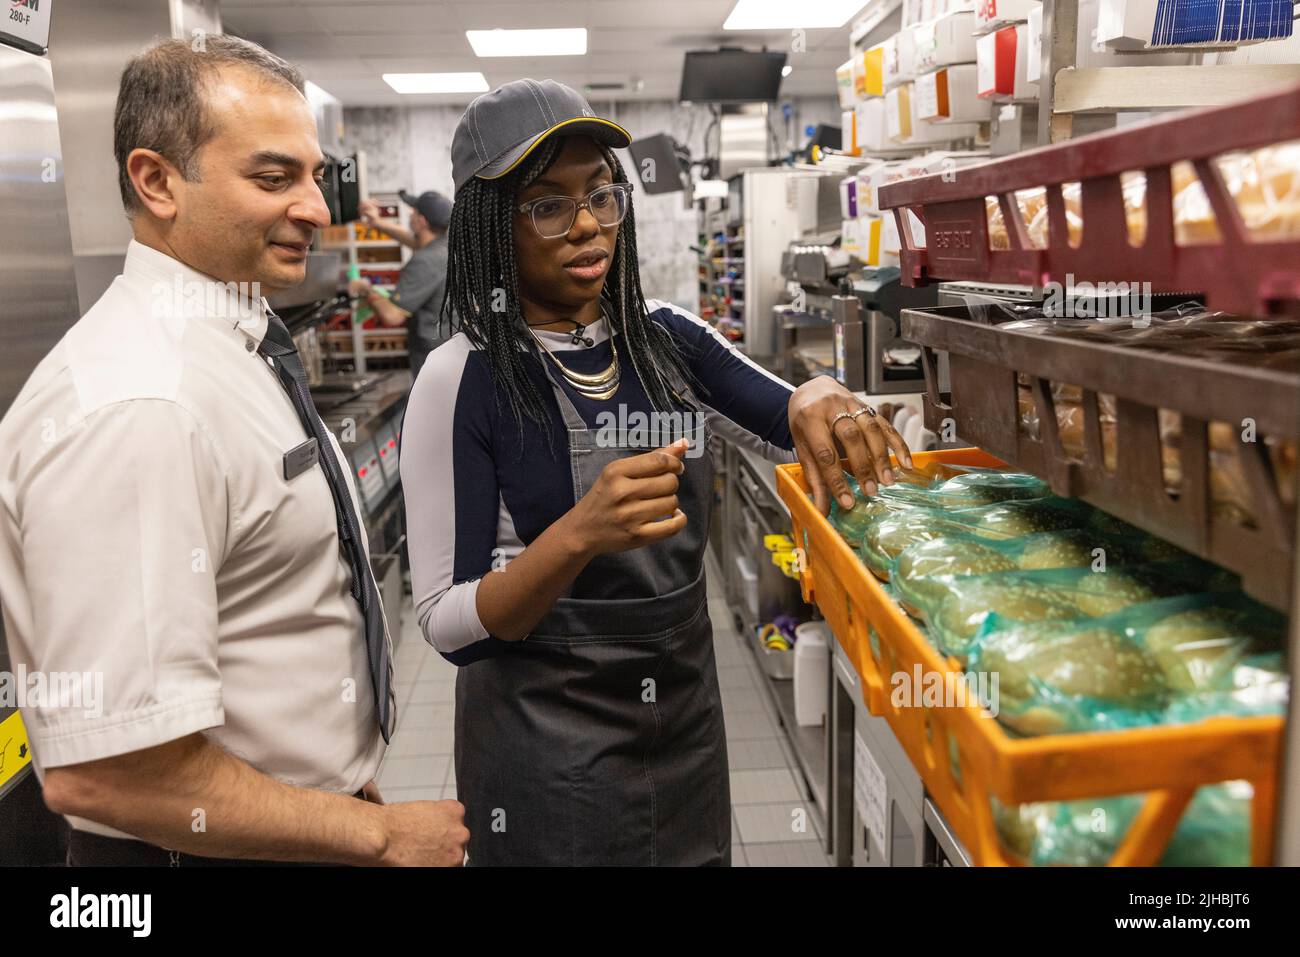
<point>1103,593</point>
<point>1213,832</point>
<point>1065,678</point>
<point>960,615</point>
<point>886,536</point>
<point>1200,649</point>
<point>1012,519</point>
<point>919,566</point>
<point>1068,549</point>
<point>987,488</point>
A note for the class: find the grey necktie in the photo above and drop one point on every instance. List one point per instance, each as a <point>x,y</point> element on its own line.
<point>277,345</point>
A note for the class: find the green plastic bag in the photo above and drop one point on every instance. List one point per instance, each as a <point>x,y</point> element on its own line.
<point>958,609</point>
<point>1213,832</point>
<point>885,534</point>
<point>1131,668</point>
<point>919,570</point>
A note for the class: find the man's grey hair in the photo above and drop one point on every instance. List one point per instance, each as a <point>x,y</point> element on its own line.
<point>161,102</point>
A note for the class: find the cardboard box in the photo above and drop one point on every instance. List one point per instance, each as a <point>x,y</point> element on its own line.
<point>898,113</point>
<point>1034,63</point>
<point>849,132</point>
<point>899,67</point>
<point>871,179</point>
<point>949,39</point>
<point>950,95</point>
<point>868,73</point>
<point>849,197</point>
<point>1002,64</point>
<point>993,15</point>
<point>844,84</point>
<point>872,132</point>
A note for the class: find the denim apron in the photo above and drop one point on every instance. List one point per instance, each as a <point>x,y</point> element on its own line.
<point>599,739</point>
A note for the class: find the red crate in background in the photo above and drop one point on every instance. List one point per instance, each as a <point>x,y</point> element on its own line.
<point>1240,273</point>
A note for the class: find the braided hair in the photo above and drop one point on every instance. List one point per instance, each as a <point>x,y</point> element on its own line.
<point>483,300</point>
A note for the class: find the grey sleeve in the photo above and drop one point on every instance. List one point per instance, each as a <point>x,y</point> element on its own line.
<point>422,279</point>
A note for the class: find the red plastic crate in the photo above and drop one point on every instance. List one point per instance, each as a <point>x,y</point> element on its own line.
<point>1240,273</point>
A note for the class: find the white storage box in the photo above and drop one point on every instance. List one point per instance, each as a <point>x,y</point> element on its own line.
<point>812,673</point>
<point>849,198</point>
<point>1034,63</point>
<point>996,14</point>
<point>869,123</point>
<point>950,39</point>
<point>1003,61</point>
<point>898,66</point>
<point>844,85</point>
<point>898,113</point>
<point>950,95</point>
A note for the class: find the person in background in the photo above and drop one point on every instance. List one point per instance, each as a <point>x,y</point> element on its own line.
<point>558,495</point>
<point>174,518</point>
<point>423,280</point>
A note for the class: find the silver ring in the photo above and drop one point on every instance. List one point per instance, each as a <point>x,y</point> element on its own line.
<point>867,409</point>
<point>840,415</point>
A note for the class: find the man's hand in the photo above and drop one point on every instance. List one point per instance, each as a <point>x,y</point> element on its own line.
<point>822,437</point>
<point>425,834</point>
<point>359,288</point>
<point>368,212</point>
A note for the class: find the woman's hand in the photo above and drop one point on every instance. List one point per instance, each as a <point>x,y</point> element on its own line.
<point>623,509</point>
<point>822,437</point>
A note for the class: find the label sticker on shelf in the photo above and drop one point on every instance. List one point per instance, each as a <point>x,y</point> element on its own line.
<point>870,793</point>
<point>15,751</point>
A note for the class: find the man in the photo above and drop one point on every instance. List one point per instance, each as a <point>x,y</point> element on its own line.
<point>174,520</point>
<point>423,279</point>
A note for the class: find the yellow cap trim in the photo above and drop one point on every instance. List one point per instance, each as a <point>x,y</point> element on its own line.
<point>577,119</point>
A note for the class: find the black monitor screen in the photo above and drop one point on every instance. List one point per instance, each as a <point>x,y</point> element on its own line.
<point>731,76</point>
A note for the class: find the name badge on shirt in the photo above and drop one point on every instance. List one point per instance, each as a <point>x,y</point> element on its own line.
<point>299,459</point>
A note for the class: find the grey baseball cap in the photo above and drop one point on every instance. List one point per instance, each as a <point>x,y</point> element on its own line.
<point>500,128</point>
<point>433,206</point>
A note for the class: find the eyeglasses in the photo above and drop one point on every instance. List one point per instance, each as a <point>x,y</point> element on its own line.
<point>553,216</point>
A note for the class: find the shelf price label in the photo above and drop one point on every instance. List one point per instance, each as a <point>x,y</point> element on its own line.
<point>26,25</point>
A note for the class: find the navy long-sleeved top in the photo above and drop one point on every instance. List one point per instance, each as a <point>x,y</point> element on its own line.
<point>478,489</point>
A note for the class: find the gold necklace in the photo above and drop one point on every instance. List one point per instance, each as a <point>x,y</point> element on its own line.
<point>597,387</point>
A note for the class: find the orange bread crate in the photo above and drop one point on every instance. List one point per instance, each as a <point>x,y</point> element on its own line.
<point>1166,763</point>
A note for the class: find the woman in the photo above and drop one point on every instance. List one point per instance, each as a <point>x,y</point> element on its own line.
<point>541,507</point>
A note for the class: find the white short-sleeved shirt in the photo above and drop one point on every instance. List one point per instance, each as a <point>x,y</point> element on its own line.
<point>150,541</point>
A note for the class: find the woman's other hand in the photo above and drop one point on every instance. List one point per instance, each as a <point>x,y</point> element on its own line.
<point>822,436</point>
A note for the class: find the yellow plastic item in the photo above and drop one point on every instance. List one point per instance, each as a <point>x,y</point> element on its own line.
<point>1167,763</point>
<point>778,543</point>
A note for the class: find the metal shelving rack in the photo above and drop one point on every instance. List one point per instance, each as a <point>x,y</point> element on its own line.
<point>1075,100</point>
<point>351,245</point>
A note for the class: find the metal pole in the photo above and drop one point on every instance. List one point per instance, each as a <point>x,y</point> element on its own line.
<point>1060,44</point>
